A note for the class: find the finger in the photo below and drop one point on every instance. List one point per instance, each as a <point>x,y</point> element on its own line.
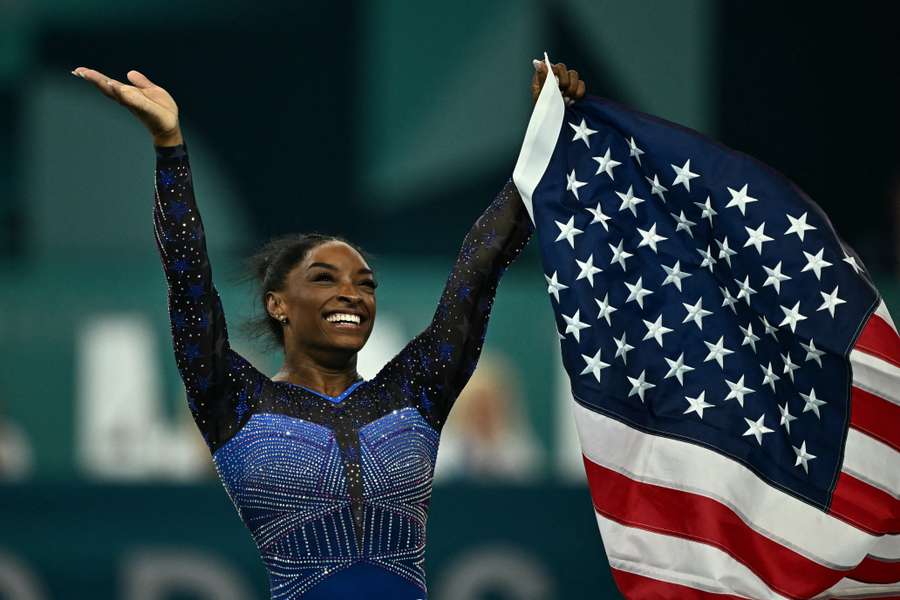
<point>139,79</point>
<point>98,79</point>
<point>579,93</point>
<point>562,74</point>
<point>573,83</point>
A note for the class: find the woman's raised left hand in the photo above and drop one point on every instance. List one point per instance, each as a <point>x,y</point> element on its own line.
<point>571,86</point>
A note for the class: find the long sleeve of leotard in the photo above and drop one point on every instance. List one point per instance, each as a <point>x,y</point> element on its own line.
<point>437,364</point>
<point>221,385</point>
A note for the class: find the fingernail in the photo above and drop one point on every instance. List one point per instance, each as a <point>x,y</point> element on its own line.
<point>537,64</point>
<point>108,82</point>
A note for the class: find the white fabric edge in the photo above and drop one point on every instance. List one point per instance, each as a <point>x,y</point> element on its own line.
<point>680,561</point>
<point>872,461</point>
<point>882,311</point>
<point>692,468</point>
<point>849,588</point>
<point>540,139</point>
<point>876,376</point>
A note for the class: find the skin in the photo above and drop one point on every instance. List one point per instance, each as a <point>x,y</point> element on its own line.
<point>317,354</point>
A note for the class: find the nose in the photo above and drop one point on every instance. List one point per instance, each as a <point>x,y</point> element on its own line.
<point>347,293</point>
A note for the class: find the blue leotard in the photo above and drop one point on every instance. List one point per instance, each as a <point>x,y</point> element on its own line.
<point>334,490</point>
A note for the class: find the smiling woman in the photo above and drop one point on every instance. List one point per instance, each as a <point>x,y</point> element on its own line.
<point>330,473</point>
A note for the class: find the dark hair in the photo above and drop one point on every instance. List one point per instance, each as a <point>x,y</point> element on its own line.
<point>269,267</point>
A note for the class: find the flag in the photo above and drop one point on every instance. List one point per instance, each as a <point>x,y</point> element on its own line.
<point>735,374</point>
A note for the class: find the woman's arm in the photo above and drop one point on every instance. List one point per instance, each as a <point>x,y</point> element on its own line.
<point>221,385</point>
<point>433,368</point>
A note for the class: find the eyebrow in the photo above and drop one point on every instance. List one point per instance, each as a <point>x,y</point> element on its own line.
<point>333,268</point>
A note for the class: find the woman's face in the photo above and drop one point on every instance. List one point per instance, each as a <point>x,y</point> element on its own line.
<point>329,300</point>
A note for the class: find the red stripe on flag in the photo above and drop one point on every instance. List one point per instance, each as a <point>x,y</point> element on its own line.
<point>872,570</point>
<point>875,417</point>
<point>878,339</point>
<point>638,587</point>
<point>867,507</point>
<point>695,517</point>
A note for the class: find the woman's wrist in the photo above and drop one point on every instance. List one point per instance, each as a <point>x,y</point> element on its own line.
<point>169,139</point>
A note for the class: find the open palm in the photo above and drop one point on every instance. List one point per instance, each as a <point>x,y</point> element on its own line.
<point>150,103</point>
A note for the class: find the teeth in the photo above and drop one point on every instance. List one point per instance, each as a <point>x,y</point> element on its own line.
<point>343,317</point>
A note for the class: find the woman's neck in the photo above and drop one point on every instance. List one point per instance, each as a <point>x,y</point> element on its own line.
<point>326,378</point>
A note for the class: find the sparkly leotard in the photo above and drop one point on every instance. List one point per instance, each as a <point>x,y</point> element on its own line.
<point>334,490</point>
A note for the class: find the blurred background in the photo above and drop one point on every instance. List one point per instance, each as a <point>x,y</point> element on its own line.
<point>392,123</point>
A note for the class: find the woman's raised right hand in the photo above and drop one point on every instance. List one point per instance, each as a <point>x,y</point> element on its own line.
<point>147,101</point>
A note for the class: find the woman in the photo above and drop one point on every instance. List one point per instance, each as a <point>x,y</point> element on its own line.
<point>331,473</point>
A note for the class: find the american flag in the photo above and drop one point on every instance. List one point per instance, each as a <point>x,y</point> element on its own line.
<point>735,374</point>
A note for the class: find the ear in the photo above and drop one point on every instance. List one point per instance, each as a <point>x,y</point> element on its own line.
<point>274,304</point>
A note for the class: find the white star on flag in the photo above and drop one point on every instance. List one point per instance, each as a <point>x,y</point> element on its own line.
<point>674,274</point>
<point>619,255</point>
<point>696,405</point>
<point>683,175</point>
<point>636,292</point>
<point>830,301</point>
<point>655,330</point>
<point>605,164</point>
<point>606,309</point>
<point>650,237</point>
<point>634,150</point>
<point>737,390</point>
<point>572,184</point>
<point>815,263</point>
<point>798,226</point>
<point>622,348</point>
<point>683,223</point>
<point>629,201</point>
<point>749,336</point>
<point>803,457</point>
<point>554,286</point>
<point>756,428</point>
<point>568,231</point>
<point>724,251</point>
<point>786,416</point>
<point>812,353</point>
<point>775,277</point>
<point>677,368</point>
<point>582,132</point>
<point>757,237</point>
<point>639,385</point>
<point>599,216</point>
<point>696,312</point>
<point>811,402</point>
<point>656,188</point>
<point>706,210</point>
<point>792,316</point>
<point>740,198</point>
<point>717,351</point>
<point>588,270</point>
<point>594,365</point>
<point>574,325</point>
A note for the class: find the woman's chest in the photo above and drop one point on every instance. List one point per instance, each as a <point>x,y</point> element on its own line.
<point>294,460</point>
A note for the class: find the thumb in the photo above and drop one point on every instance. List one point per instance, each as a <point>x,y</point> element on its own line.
<point>139,79</point>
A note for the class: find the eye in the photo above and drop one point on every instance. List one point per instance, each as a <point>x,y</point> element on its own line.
<point>323,276</point>
<point>370,283</point>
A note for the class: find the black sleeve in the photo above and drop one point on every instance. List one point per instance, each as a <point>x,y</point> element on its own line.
<point>221,385</point>
<point>435,366</point>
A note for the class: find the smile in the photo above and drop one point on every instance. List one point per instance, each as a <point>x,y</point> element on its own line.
<point>344,320</point>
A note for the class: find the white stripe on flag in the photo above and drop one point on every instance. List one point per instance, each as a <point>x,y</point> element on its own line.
<point>882,311</point>
<point>887,548</point>
<point>873,462</point>
<point>692,468</point>
<point>540,138</point>
<point>876,376</point>
<point>681,561</point>
<point>849,588</point>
